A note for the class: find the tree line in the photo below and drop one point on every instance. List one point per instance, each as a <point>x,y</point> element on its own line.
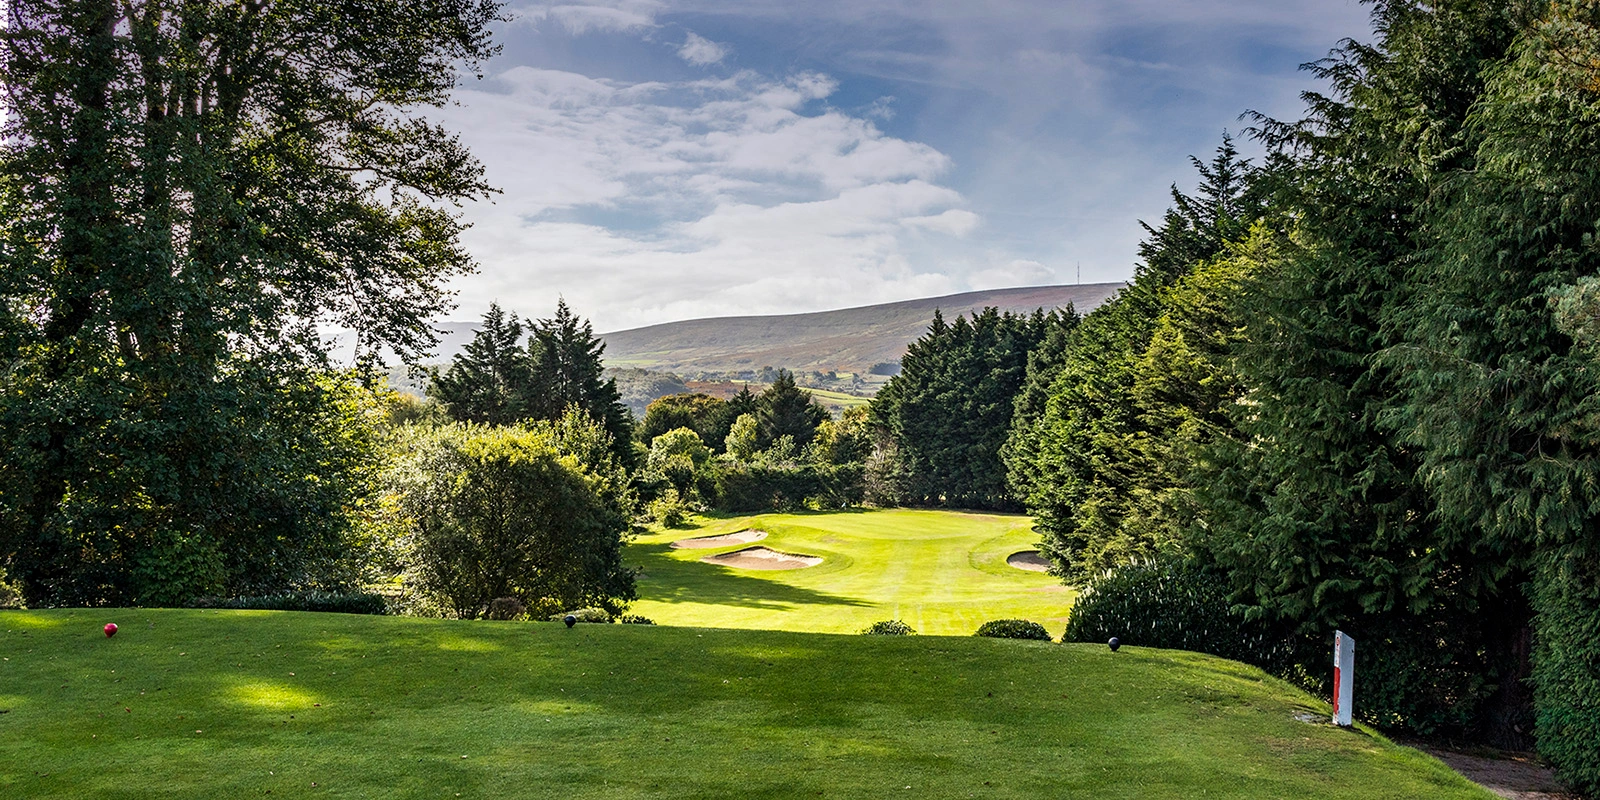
<point>1353,384</point>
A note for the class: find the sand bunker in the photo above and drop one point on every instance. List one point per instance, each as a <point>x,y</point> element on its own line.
<point>1029,560</point>
<point>762,558</point>
<point>706,542</point>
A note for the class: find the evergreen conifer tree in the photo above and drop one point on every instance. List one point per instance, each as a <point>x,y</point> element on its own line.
<point>568,371</point>
<point>490,382</point>
<point>785,410</point>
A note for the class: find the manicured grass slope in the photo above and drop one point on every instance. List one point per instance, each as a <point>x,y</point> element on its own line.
<point>238,704</point>
<point>942,572</point>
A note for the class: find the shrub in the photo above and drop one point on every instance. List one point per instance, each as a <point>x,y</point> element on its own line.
<point>889,627</point>
<point>507,608</point>
<point>10,595</point>
<point>635,619</point>
<point>1164,602</point>
<point>1429,673</point>
<point>505,512</point>
<point>669,510</point>
<point>1013,629</point>
<point>333,602</point>
<point>590,615</point>
<point>681,458</point>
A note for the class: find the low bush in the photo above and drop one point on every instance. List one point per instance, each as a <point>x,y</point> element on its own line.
<point>10,595</point>
<point>507,608</point>
<point>334,602</point>
<point>1165,602</point>
<point>635,619</point>
<point>592,615</point>
<point>1013,629</point>
<point>1429,674</point>
<point>669,510</point>
<point>889,627</point>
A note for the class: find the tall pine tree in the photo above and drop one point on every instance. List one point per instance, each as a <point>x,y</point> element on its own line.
<point>568,371</point>
<point>1082,464</point>
<point>491,381</point>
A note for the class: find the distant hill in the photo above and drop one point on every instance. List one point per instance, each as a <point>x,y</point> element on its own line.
<point>848,340</point>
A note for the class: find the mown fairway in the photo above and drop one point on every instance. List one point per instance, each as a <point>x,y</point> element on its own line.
<point>193,704</point>
<point>942,572</point>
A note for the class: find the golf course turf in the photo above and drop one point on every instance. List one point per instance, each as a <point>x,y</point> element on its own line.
<point>223,704</point>
<point>941,572</point>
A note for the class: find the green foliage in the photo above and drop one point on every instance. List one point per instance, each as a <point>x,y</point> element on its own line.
<point>10,595</point>
<point>635,619</point>
<point>669,509</point>
<point>1429,675</point>
<point>1013,629</point>
<point>846,440</point>
<point>757,487</point>
<point>1165,601</point>
<point>891,627</point>
<point>947,411</point>
<point>490,381</point>
<point>505,512</point>
<point>506,608</point>
<point>569,371</point>
<point>1381,366</point>
<point>1101,458</point>
<point>683,460</point>
<point>274,495</point>
<point>1567,668</point>
<point>335,602</point>
<point>743,440</point>
<point>702,413</point>
<point>784,410</point>
<point>498,381</point>
<point>177,220</point>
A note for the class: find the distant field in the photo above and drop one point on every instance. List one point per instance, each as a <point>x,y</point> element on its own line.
<point>942,572</point>
<point>228,704</point>
<point>837,400</point>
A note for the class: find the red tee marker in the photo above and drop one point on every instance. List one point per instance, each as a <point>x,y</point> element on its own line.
<point>111,629</point>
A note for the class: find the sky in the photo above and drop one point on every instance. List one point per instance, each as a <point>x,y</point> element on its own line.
<point>660,160</point>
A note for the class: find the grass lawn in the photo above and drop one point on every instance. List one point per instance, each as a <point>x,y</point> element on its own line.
<point>229,704</point>
<point>942,572</point>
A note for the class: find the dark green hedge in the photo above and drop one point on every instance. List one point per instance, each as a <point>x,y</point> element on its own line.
<point>335,602</point>
<point>888,627</point>
<point>1013,629</point>
<point>1165,602</point>
<point>1431,674</point>
<point>756,487</point>
<point>1566,666</point>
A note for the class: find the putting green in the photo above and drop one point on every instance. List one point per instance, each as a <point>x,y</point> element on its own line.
<point>942,572</point>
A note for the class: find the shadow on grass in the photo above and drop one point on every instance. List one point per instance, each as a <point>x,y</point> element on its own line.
<point>695,582</point>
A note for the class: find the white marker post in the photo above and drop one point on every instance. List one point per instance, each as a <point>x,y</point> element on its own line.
<point>1344,677</point>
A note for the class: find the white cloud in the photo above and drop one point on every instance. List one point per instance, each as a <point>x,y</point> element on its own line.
<point>1018,272</point>
<point>643,202</point>
<point>1028,136</point>
<point>614,17</point>
<point>701,51</point>
<point>956,221</point>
